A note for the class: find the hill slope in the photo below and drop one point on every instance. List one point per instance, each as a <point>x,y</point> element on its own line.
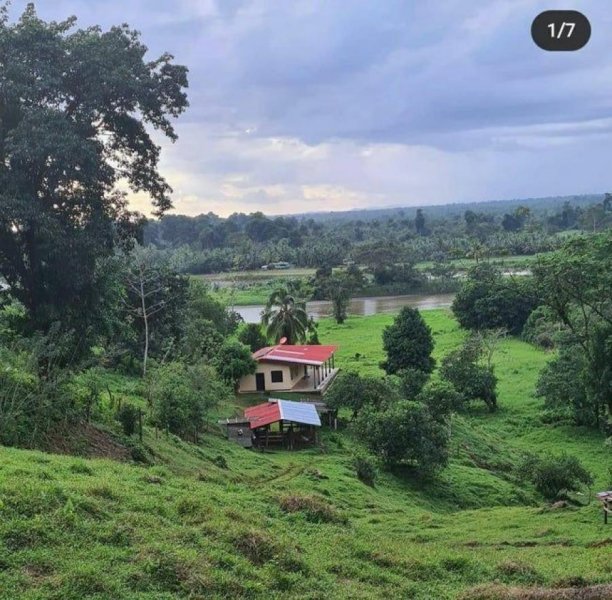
<point>301,524</point>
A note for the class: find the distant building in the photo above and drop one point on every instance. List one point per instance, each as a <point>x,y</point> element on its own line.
<point>305,369</point>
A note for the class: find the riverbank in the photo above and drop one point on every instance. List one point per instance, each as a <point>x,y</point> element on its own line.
<point>368,306</point>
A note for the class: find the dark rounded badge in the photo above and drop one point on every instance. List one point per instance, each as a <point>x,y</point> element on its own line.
<point>561,30</point>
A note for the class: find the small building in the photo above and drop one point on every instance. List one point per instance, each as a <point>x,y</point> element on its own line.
<point>283,423</point>
<point>304,369</point>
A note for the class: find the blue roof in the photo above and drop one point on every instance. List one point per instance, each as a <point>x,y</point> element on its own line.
<point>299,412</point>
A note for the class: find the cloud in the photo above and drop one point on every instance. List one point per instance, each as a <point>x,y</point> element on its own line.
<point>324,104</point>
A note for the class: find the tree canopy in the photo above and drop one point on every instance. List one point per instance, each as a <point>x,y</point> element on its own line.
<point>75,108</point>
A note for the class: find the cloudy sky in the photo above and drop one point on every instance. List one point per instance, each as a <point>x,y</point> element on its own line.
<point>303,105</point>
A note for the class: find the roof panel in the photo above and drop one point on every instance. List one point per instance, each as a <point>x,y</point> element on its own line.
<point>299,412</point>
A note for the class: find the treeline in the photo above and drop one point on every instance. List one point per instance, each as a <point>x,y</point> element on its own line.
<point>211,244</point>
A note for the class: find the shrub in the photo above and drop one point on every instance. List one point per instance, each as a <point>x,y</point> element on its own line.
<point>541,328</point>
<point>365,468</point>
<point>128,417</point>
<point>553,476</point>
<point>471,379</point>
<point>252,336</point>
<point>233,361</point>
<point>406,433</point>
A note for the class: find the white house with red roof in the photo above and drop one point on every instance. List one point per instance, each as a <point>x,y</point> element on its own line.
<point>303,369</point>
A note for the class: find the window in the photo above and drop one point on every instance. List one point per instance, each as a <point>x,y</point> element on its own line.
<point>277,376</point>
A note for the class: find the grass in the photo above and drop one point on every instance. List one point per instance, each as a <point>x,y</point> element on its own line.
<point>301,525</point>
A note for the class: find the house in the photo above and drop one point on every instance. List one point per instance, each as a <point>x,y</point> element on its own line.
<point>304,369</point>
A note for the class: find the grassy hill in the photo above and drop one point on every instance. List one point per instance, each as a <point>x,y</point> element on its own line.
<point>217,521</point>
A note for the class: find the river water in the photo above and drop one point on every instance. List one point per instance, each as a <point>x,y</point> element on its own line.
<point>360,306</point>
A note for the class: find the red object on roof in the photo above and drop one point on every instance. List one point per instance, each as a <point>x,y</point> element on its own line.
<point>263,414</point>
<point>302,355</point>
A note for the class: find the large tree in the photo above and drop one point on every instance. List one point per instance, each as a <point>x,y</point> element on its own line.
<point>75,107</point>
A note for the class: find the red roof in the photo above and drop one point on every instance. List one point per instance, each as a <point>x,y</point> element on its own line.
<point>263,414</point>
<point>303,355</point>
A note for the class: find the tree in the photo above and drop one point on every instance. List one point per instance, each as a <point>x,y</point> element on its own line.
<point>285,317</point>
<point>474,381</point>
<point>74,111</point>
<point>153,289</point>
<point>353,392</point>
<point>408,343</point>
<point>488,300</point>
<point>340,297</point>
<point>183,395</point>
<point>419,222</point>
<point>406,433</point>
<point>576,284</point>
<point>251,335</point>
<point>234,361</point>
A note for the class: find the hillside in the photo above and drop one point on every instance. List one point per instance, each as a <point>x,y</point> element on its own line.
<point>301,524</point>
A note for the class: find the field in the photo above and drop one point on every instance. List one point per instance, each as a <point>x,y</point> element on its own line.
<point>301,525</point>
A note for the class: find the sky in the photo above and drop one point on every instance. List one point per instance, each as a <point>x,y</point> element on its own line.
<point>325,105</point>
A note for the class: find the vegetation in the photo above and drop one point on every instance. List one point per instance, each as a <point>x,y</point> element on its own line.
<point>285,317</point>
<point>408,343</point>
<point>102,337</point>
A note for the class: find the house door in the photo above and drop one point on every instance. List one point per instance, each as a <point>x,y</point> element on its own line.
<point>260,382</point>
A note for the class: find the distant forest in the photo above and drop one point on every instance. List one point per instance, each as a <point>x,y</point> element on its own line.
<point>401,236</point>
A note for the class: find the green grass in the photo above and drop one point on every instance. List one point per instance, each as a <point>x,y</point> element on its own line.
<point>72,528</point>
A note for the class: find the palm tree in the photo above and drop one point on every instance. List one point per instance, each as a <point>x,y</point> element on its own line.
<point>285,317</point>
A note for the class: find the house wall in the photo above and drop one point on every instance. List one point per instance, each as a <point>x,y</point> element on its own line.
<point>291,375</point>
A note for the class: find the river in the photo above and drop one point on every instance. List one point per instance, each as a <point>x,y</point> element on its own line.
<point>360,306</point>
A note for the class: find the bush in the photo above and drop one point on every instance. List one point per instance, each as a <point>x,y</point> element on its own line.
<point>412,382</point>
<point>541,328</point>
<point>553,476</point>
<point>352,391</point>
<point>252,336</point>
<point>365,468</point>
<point>472,380</point>
<point>406,433</point>
<point>128,417</point>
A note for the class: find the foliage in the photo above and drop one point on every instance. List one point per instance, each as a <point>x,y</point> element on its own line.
<point>576,284</point>
<point>353,392</point>
<point>405,433</point>
<point>128,417</point>
<point>155,300</point>
<point>252,336</point>
<point>182,396</point>
<point>233,361</point>
<point>408,343</point>
<point>285,317</point>
<point>412,382</point>
<point>365,469</point>
<point>542,328</point>
<point>77,106</point>
<point>488,300</point>
<point>562,385</point>
<point>556,475</point>
<point>441,398</point>
<point>474,381</point>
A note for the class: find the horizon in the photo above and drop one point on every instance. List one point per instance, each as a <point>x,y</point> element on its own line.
<point>305,107</point>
